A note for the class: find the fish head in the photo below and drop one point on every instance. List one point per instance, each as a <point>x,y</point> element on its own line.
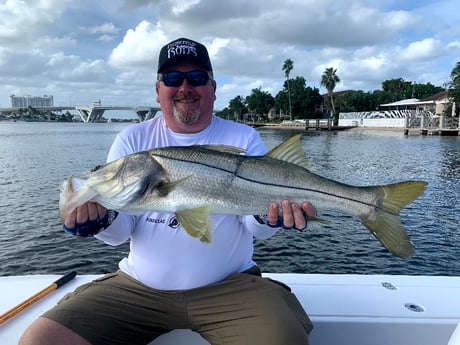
<point>116,185</point>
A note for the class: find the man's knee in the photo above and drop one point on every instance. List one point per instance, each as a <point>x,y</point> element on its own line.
<point>47,332</point>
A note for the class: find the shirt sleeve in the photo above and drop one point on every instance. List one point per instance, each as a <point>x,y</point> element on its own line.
<point>258,230</point>
<point>119,231</point>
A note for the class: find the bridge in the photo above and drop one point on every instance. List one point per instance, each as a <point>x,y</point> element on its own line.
<point>95,111</point>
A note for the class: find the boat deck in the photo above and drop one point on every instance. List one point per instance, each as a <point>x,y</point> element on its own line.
<point>345,309</point>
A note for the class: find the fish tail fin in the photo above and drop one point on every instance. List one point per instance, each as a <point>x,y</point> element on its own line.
<point>196,222</point>
<point>385,222</point>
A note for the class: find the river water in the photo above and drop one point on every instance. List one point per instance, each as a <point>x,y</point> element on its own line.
<point>35,157</point>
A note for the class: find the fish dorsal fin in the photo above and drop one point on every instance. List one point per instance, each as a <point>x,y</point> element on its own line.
<point>224,148</point>
<point>196,222</point>
<point>290,151</point>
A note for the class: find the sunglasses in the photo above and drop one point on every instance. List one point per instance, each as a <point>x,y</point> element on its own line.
<point>176,78</point>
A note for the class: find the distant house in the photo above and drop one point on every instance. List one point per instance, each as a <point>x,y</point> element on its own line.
<point>436,104</point>
<point>394,114</point>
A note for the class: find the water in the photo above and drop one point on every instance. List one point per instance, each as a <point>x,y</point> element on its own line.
<point>35,157</point>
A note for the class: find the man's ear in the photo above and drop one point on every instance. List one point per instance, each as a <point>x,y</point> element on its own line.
<point>157,86</point>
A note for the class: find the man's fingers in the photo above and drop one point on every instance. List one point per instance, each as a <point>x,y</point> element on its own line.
<point>299,220</point>
<point>273,213</point>
<point>288,215</point>
<point>101,211</point>
<point>309,209</point>
<point>71,219</point>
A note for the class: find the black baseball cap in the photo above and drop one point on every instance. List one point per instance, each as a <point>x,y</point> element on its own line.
<point>184,50</point>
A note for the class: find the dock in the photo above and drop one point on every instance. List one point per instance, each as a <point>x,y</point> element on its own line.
<point>435,125</point>
<point>309,124</point>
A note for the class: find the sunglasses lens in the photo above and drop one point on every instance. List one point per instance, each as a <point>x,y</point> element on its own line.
<point>197,78</point>
<point>175,78</point>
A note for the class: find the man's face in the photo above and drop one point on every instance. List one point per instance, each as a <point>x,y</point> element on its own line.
<point>186,108</point>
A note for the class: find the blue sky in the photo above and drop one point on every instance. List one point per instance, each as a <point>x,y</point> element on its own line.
<point>85,50</point>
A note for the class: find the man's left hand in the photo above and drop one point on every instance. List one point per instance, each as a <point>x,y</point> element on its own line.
<point>292,215</point>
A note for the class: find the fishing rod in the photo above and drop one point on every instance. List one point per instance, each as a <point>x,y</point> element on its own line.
<point>36,297</point>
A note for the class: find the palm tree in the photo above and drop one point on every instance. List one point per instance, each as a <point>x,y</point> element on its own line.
<point>288,65</point>
<point>329,80</point>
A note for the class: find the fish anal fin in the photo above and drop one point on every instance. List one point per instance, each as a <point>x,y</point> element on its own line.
<point>196,222</point>
<point>290,151</point>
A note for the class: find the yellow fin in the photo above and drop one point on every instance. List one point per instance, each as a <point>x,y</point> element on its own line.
<point>398,195</point>
<point>385,225</point>
<point>290,151</point>
<point>196,222</point>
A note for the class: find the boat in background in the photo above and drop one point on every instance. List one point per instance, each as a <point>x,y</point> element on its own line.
<point>345,309</point>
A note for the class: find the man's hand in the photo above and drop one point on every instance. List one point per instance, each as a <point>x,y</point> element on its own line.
<point>88,219</point>
<point>89,211</point>
<point>293,215</point>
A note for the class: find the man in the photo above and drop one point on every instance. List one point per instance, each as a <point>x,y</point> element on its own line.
<point>170,280</point>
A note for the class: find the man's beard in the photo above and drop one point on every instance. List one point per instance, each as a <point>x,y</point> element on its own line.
<point>187,118</point>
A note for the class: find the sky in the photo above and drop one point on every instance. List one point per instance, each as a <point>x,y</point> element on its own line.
<point>81,51</point>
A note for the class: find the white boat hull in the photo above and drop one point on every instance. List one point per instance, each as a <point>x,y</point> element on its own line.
<point>345,309</point>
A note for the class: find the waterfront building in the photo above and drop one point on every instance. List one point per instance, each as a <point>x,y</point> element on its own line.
<point>31,101</point>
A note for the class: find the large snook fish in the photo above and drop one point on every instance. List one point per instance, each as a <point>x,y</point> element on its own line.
<point>195,181</point>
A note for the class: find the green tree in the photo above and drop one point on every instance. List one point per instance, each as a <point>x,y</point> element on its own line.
<point>454,84</point>
<point>237,107</point>
<point>421,91</point>
<point>288,66</point>
<point>304,100</point>
<point>397,89</point>
<point>353,101</point>
<point>260,102</point>
<point>329,80</point>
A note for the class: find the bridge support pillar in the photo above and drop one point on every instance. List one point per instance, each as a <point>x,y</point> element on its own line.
<point>145,114</point>
<point>90,114</point>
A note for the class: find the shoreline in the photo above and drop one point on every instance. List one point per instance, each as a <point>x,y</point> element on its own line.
<point>335,128</point>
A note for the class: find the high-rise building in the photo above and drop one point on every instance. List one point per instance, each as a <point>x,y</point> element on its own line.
<point>31,101</point>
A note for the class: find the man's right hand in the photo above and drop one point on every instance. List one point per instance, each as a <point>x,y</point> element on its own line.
<point>88,211</point>
<point>88,219</point>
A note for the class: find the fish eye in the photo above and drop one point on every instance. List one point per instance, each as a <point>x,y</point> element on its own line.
<point>96,168</point>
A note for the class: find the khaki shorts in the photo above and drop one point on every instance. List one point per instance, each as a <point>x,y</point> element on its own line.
<point>243,309</point>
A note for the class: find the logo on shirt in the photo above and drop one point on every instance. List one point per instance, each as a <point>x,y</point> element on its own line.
<point>173,222</point>
<point>156,220</point>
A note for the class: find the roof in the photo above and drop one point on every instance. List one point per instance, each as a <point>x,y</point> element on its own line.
<point>409,101</point>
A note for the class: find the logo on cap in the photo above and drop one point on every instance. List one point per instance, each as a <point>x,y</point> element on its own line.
<point>181,48</point>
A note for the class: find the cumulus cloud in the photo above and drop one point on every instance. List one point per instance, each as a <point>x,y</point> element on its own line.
<point>73,48</point>
<point>139,47</point>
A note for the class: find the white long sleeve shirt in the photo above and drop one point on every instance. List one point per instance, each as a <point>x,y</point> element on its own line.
<point>162,255</point>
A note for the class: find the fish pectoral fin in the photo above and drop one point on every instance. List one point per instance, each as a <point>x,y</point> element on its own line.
<point>196,222</point>
<point>165,188</point>
<point>290,151</point>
